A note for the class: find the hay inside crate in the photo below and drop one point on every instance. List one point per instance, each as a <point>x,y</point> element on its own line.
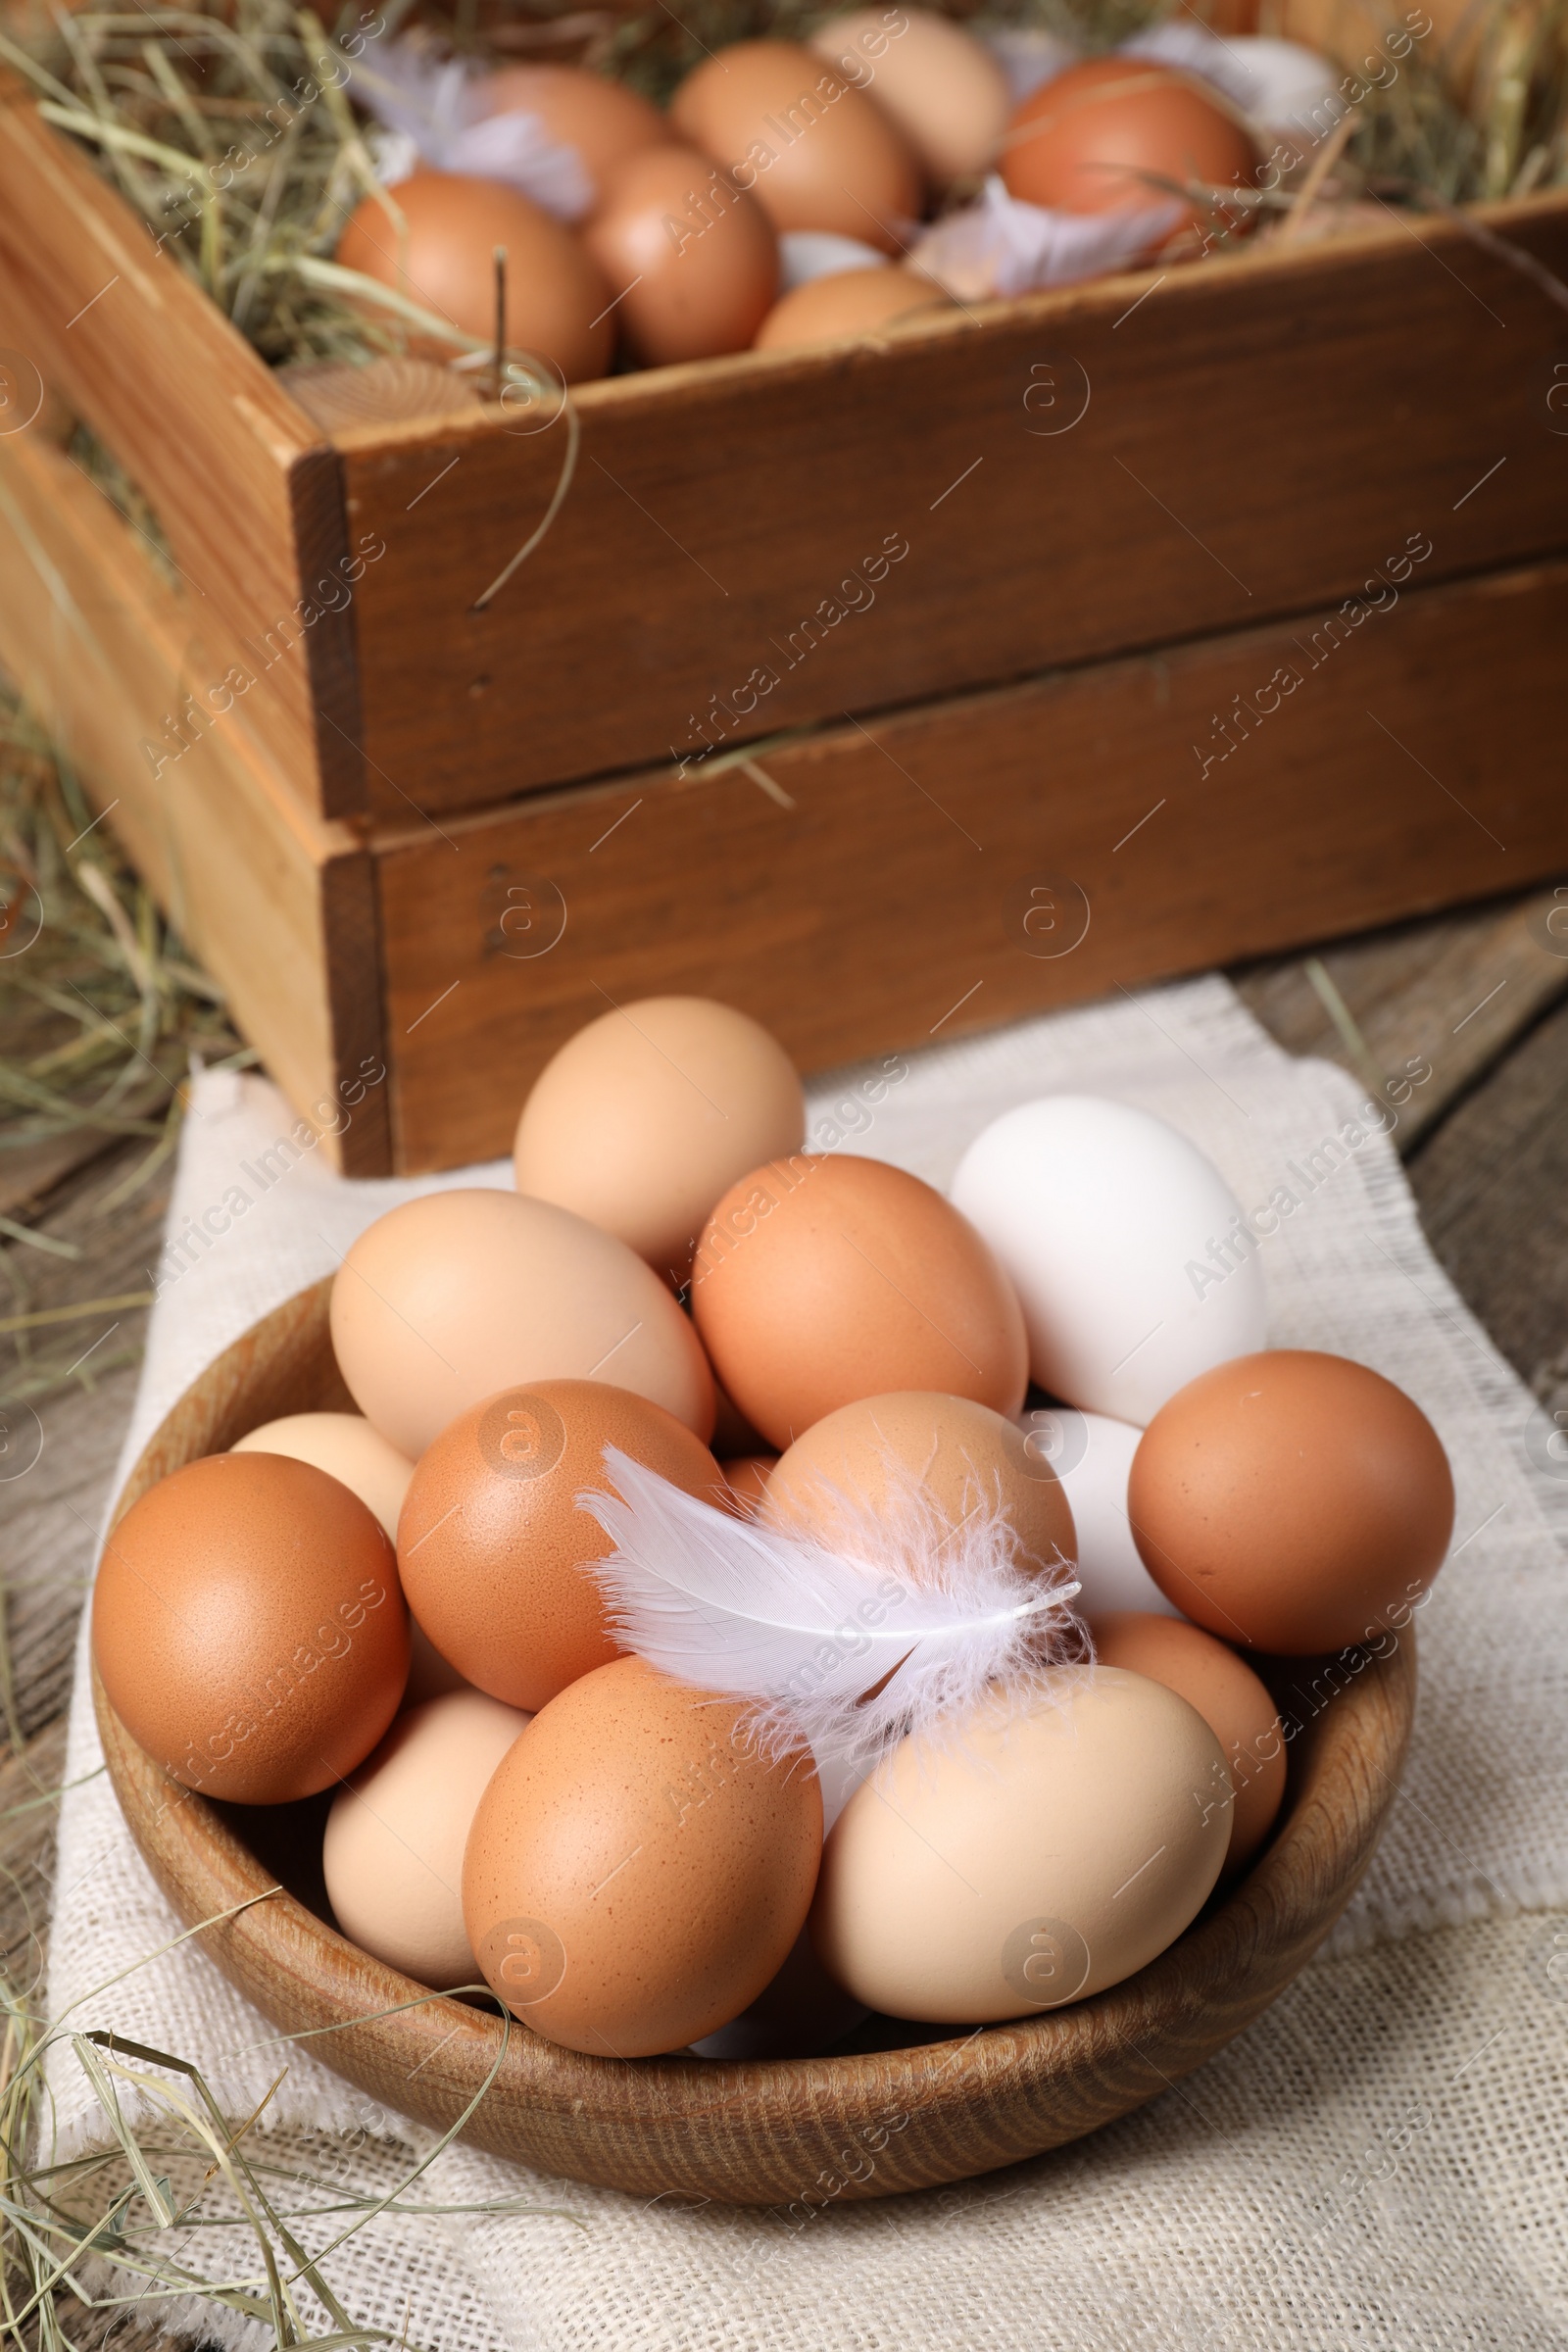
<point>418,834</point>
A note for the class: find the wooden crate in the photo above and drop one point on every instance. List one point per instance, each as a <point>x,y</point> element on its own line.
<point>1062,537</point>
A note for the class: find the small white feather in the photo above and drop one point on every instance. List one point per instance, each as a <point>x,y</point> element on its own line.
<point>936,1616</point>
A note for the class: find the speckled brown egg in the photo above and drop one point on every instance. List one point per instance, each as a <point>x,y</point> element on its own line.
<point>1228,1695</point>
<point>850,301</point>
<point>816,151</point>
<point>249,1627</point>
<point>692,259</point>
<point>826,1277</point>
<point>495,1554</point>
<point>959,1458</point>
<point>637,1870</point>
<point>1291,1501</point>
<point>557,301</point>
<point>1110,135</point>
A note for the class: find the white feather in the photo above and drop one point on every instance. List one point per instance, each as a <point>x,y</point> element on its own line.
<point>805,1629</point>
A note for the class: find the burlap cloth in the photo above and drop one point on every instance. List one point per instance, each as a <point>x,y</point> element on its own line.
<point>1381,2161</point>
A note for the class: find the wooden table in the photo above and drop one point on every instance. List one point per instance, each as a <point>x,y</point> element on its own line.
<point>1481,996</point>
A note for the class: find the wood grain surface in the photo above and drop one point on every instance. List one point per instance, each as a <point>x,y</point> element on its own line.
<point>278,905</point>
<point>1252,438</point>
<point>764,2134</point>
<point>885,884</point>
<point>245,488</point>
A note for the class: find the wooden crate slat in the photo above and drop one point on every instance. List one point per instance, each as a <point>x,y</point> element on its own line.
<point>279,906</point>
<point>246,490</point>
<point>1260,436</point>
<point>887,904</point>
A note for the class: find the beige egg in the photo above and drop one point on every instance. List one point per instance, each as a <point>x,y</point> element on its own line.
<point>1054,1845</point>
<point>813,150</point>
<point>646,1117</point>
<point>452,1297</point>
<point>942,88</point>
<point>347,1448</point>
<point>393,1853</point>
<point>850,301</point>
<point>947,1451</point>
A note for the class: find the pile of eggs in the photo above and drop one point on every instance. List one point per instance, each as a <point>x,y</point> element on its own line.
<point>402,1608</point>
<point>775,203</point>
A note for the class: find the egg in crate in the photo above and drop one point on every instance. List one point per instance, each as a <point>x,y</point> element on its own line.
<point>691,258</point>
<point>602,121</point>
<point>433,239</point>
<point>1121,135</point>
<point>942,88</point>
<point>847,301</point>
<point>816,151</point>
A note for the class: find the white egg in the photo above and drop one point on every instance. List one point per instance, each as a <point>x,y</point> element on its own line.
<point>1130,1256</point>
<point>1092,1458</point>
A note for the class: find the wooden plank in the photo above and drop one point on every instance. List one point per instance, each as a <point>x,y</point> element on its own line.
<point>887,903</point>
<point>1450,996</point>
<point>1260,436</point>
<point>1493,1189</point>
<point>278,904</point>
<point>244,486</point>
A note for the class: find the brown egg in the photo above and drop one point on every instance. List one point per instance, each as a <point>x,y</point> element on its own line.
<point>347,1448</point>
<point>557,301</point>
<point>942,86</point>
<point>746,1479</point>
<point>826,1277</point>
<point>452,1295</point>
<point>495,1555</point>
<point>814,148</point>
<point>850,301</point>
<point>1228,1695</point>
<point>603,120</point>
<point>1291,1501</point>
<point>637,1872</point>
<point>249,1628</point>
<point>1100,138</point>
<point>961,1457</point>
<point>693,261</point>
<point>648,1114</point>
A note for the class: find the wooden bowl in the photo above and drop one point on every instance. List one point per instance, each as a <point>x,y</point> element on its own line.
<point>802,2131</point>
